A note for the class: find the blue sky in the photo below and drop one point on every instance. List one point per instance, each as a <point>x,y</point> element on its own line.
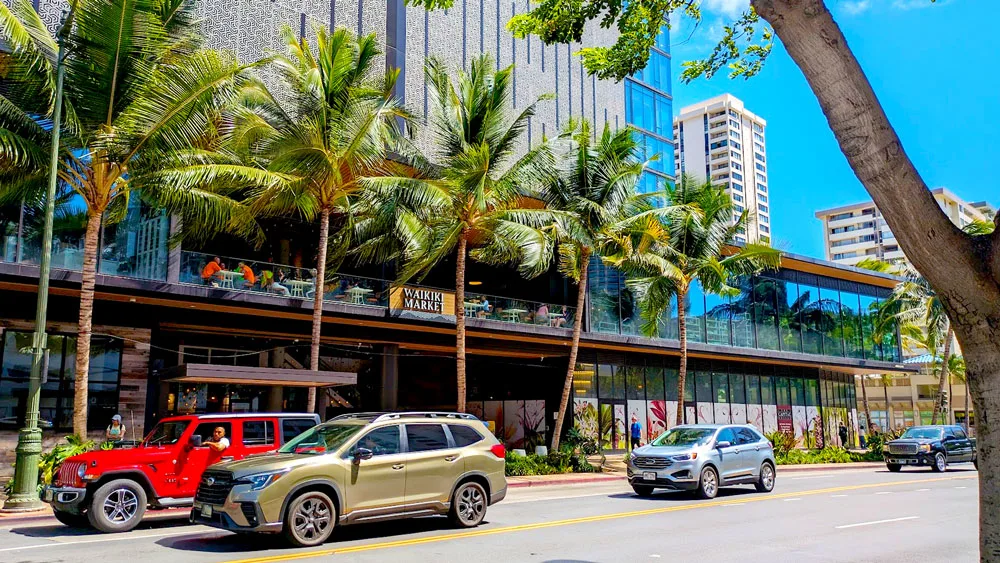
<point>933,67</point>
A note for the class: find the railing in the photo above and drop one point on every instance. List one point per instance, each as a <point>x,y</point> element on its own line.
<point>280,280</point>
<point>519,311</point>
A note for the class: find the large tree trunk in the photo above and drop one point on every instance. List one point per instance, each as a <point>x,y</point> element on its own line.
<point>317,320</point>
<point>963,270</point>
<point>573,349</point>
<point>85,326</point>
<point>966,406</point>
<point>682,333</point>
<point>460,323</point>
<point>943,381</point>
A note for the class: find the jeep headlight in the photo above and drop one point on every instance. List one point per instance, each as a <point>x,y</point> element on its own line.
<point>259,481</point>
<point>925,448</point>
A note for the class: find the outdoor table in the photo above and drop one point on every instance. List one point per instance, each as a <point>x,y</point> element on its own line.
<point>298,288</point>
<point>471,308</point>
<point>554,318</point>
<point>358,294</point>
<point>513,315</point>
<point>229,279</point>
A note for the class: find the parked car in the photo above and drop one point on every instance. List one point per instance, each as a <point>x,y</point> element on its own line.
<point>934,446</point>
<point>111,489</point>
<point>359,468</point>
<point>702,458</point>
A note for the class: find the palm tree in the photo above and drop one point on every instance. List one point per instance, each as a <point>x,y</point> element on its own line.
<point>139,96</point>
<point>474,192</point>
<point>663,251</point>
<point>316,144</point>
<point>596,192</point>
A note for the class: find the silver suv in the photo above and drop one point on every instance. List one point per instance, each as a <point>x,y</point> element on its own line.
<point>702,458</point>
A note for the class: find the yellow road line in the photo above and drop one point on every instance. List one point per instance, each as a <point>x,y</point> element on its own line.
<point>582,520</point>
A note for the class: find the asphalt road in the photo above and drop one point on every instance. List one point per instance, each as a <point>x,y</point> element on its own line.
<point>840,516</point>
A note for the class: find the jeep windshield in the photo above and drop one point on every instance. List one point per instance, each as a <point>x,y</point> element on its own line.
<point>685,437</point>
<point>165,434</point>
<point>922,433</point>
<point>321,439</point>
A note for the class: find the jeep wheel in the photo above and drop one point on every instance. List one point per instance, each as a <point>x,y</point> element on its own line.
<point>894,467</point>
<point>311,519</point>
<point>708,484</point>
<point>468,506</point>
<point>117,506</point>
<point>642,490</point>
<point>766,482</point>
<point>72,520</point>
<point>940,463</point>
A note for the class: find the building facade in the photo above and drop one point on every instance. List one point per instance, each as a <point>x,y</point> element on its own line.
<point>649,110</point>
<point>852,233</point>
<point>719,139</point>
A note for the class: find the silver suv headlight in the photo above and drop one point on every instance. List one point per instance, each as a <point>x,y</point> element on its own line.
<point>684,457</point>
<point>259,481</point>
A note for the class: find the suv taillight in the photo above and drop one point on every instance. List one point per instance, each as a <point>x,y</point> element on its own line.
<point>499,451</point>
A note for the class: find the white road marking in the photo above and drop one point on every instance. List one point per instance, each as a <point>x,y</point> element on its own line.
<point>654,556</point>
<point>807,477</point>
<point>791,499</point>
<point>875,522</point>
<point>884,493</point>
<point>56,542</point>
<point>921,490</point>
<point>838,496</point>
<point>961,487</point>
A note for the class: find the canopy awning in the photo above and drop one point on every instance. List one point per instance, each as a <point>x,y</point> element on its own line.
<point>208,373</point>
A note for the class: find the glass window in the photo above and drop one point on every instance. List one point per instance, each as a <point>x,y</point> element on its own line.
<point>605,381</point>
<point>670,383</point>
<point>166,433</point>
<point>136,246</point>
<point>292,427</point>
<point>605,288</point>
<point>207,429</point>
<point>584,379</point>
<point>321,439</point>
<point>258,432</point>
<point>689,386</point>
<point>765,313</point>
<point>68,228</point>
<point>851,324</point>
<point>812,393</point>
<point>959,433</point>
<point>767,390</point>
<point>868,315</point>
<point>737,389</point>
<point>741,314</point>
<point>654,383</point>
<point>789,307</point>
<point>717,311</point>
<point>746,436</point>
<point>694,313</point>
<point>720,386</point>
<point>384,441</point>
<point>782,392</point>
<point>634,382</point>
<point>798,392</point>
<point>425,437</point>
<point>753,390</point>
<point>726,435</point>
<point>464,435</point>
<point>619,383</point>
<point>704,387</point>
<point>831,326</point>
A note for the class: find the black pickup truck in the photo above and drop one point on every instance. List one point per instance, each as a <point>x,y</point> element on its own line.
<point>934,446</point>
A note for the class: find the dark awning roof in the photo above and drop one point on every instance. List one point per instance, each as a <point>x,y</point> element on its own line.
<point>206,373</point>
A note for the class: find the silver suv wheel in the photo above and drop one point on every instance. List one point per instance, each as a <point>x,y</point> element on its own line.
<point>311,519</point>
<point>708,486</point>
<point>468,507</point>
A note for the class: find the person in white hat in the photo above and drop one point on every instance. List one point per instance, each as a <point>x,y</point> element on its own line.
<point>116,431</point>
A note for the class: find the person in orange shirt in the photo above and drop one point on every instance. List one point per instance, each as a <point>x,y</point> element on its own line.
<point>248,276</point>
<point>210,273</point>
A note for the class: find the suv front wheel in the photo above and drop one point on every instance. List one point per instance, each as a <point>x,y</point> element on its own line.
<point>311,519</point>
<point>117,506</point>
<point>708,484</point>
<point>468,507</point>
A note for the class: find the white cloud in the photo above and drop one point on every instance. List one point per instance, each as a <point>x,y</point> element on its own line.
<point>911,4</point>
<point>854,7</point>
<point>730,8</point>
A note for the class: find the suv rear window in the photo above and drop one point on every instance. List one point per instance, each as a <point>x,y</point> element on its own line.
<point>292,427</point>
<point>463,435</point>
<point>258,432</point>
<point>426,437</point>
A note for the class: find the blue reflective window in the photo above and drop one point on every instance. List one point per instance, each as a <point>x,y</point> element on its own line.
<point>647,109</point>
<point>657,72</point>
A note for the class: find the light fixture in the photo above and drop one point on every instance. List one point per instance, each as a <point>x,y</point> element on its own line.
<point>475,283</point>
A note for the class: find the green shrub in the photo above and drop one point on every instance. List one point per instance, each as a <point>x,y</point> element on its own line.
<point>555,462</point>
<point>832,454</point>
<point>50,462</point>
<point>783,442</point>
<point>577,441</point>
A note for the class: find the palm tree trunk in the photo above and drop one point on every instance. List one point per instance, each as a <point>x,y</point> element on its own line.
<point>966,406</point>
<point>317,320</point>
<point>943,382</point>
<point>868,412</point>
<point>460,323</point>
<point>573,349</point>
<point>682,372</point>
<point>85,325</point>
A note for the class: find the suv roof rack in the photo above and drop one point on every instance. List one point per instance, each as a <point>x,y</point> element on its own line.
<point>380,416</point>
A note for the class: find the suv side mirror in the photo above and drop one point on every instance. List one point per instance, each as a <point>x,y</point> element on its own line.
<point>362,453</point>
<point>723,444</point>
<point>195,440</point>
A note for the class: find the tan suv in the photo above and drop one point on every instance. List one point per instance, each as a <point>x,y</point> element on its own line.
<point>359,468</point>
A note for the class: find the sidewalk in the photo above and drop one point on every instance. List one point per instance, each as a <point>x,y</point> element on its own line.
<point>612,476</point>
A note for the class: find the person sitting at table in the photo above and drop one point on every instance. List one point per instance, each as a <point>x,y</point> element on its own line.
<point>249,279</point>
<point>484,308</point>
<point>542,314</point>
<point>211,274</point>
<point>277,286</point>
<point>557,319</point>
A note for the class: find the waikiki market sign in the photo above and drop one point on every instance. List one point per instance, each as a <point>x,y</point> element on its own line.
<point>423,300</point>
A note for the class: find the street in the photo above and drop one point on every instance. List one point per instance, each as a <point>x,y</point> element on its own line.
<point>842,515</point>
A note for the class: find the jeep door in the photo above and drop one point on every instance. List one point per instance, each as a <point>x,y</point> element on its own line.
<point>376,485</point>
<point>257,437</point>
<point>434,465</point>
<point>192,461</point>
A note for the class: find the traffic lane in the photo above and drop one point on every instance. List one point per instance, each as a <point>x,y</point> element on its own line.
<point>206,544</point>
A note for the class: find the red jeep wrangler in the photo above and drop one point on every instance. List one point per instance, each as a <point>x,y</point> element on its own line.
<point>111,489</point>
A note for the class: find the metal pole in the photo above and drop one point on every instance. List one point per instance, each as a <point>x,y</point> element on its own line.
<point>29,440</point>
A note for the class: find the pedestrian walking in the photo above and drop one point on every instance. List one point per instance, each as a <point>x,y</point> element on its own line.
<point>636,433</point>
<point>843,435</point>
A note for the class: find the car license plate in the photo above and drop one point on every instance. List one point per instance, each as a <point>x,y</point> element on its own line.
<point>649,476</point>
<point>48,495</point>
<point>206,511</point>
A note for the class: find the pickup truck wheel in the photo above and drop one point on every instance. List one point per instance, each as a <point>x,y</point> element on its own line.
<point>72,520</point>
<point>117,506</point>
<point>310,520</point>
<point>894,467</point>
<point>940,463</point>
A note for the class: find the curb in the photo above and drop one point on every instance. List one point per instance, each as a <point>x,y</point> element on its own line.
<point>572,481</point>
<point>46,514</point>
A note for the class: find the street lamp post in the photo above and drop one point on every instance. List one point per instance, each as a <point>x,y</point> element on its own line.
<point>29,440</point>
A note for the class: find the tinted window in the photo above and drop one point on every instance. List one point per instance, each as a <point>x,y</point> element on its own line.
<point>960,434</point>
<point>746,436</point>
<point>949,433</point>
<point>726,435</point>
<point>292,427</point>
<point>381,441</point>
<point>258,433</point>
<point>205,430</point>
<point>463,435</point>
<point>166,433</point>
<point>425,437</point>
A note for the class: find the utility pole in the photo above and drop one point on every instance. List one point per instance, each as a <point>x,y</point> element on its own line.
<point>29,439</point>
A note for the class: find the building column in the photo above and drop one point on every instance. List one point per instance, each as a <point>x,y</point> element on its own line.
<point>390,377</point>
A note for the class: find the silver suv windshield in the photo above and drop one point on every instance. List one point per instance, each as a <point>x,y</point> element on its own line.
<point>685,437</point>
<point>321,439</point>
<point>922,433</point>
